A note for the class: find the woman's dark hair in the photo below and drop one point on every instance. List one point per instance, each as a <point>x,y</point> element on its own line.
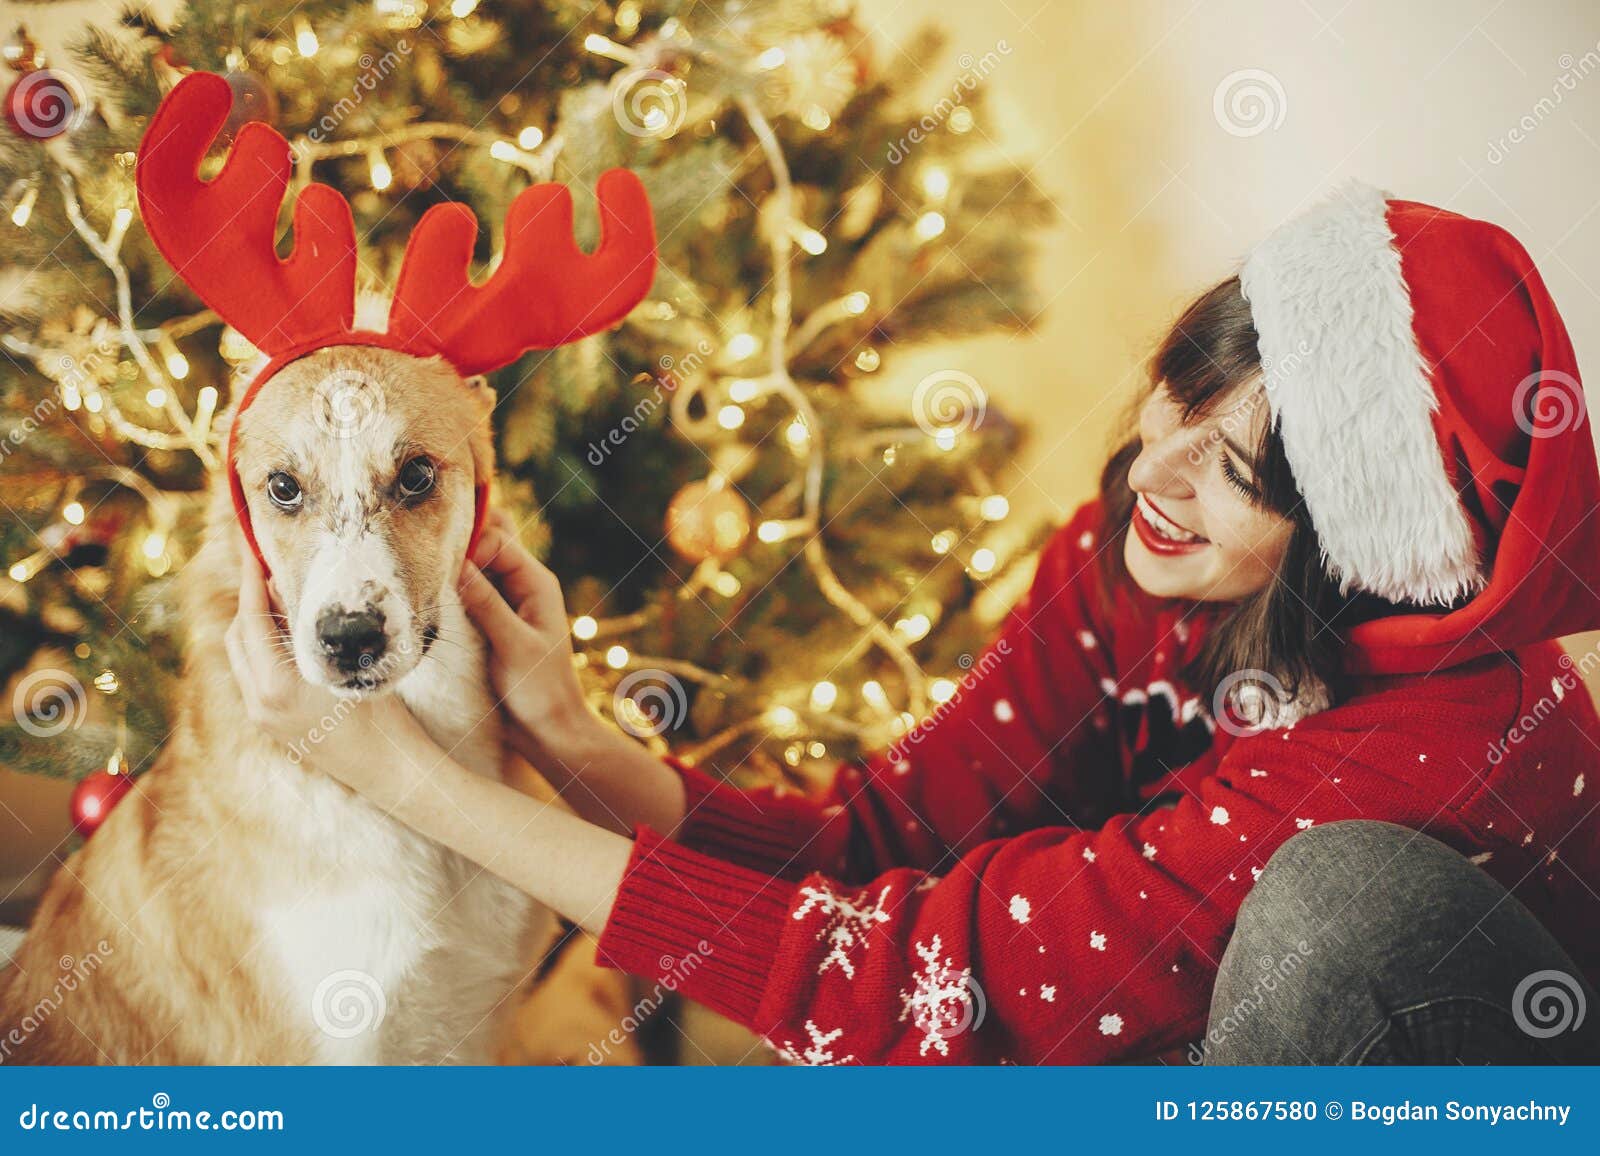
<point>1291,628</point>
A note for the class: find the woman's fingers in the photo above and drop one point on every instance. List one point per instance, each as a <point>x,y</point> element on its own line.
<point>519,576</point>
<point>485,606</point>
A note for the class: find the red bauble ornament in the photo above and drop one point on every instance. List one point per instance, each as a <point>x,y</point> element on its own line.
<point>44,103</point>
<point>93,798</point>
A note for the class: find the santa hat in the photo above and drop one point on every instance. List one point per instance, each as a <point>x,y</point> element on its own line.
<point>1430,409</point>
<point>220,235</point>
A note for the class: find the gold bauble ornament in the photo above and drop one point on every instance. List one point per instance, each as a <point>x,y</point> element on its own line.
<point>707,519</point>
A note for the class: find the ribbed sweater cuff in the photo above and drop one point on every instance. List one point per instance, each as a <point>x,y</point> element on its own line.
<point>766,833</point>
<point>701,927</point>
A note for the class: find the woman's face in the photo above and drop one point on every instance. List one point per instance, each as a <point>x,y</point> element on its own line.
<point>1199,528</point>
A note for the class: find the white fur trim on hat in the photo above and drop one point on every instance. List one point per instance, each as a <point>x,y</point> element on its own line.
<point>1352,398</point>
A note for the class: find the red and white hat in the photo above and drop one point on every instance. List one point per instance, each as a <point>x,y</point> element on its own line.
<point>1430,408</point>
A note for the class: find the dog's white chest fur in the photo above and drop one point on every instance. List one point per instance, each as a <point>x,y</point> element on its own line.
<point>400,951</point>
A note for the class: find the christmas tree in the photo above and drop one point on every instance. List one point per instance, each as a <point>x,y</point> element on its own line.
<point>773,561</point>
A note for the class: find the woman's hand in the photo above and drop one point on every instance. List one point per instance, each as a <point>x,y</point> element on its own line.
<point>608,779</point>
<point>516,601</point>
<point>371,744</point>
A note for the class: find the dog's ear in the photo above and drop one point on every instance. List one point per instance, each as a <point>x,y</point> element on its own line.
<point>480,389</point>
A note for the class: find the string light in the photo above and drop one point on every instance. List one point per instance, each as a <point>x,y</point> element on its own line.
<point>824,695</point>
<point>584,628</point>
<point>930,225</point>
<point>730,417</point>
<point>941,690</point>
<point>914,628</point>
<point>868,360</point>
<point>23,209</point>
<point>73,513</point>
<point>742,389</point>
<point>305,40</point>
<point>743,345</point>
<point>461,9</point>
<point>530,138</point>
<point>983,561</point>
<point>994,508</point>
<point>156,398</point>
<point>945,438</point>
<point>943,541</point>
<point>936,182</point>
<point>617,657</point>
<point>773,57</point>
<point>856,303</point>
<point>876,697</point>
<point>378,170</point>
<point>726,584</point>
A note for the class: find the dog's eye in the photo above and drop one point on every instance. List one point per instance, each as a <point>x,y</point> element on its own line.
<point>284,491</point>
<point>416,478</point>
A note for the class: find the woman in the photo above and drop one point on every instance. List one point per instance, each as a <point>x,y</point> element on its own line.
<point>1314,605</point>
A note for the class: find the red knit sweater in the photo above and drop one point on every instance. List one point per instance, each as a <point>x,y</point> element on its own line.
<point>1049,869</point>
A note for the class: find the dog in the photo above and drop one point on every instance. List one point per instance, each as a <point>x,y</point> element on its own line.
<point>240,906</point>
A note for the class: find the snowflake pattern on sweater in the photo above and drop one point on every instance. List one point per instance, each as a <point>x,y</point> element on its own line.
<point>890,921</point>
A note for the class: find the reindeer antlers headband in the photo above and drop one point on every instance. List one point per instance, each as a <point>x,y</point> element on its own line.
<point>221,238</point>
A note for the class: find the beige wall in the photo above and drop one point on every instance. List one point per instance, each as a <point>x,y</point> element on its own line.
<point>1115,102</point>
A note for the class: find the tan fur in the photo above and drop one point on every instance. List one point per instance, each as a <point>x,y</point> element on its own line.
<point>199,896</point>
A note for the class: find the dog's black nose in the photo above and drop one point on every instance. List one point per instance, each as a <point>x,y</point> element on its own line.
<point>353,640</point>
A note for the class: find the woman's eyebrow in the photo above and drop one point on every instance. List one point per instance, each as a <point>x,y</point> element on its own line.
<point>1238,451</point>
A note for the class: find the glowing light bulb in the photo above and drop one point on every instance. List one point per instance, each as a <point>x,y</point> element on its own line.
<point>914,628</point>
<point>983,561</point>
<point>177,365</point>
<point>943,540</point>
<point>811,241</point>
<point>945,439</point>
<point>530,138</point>
<point>772,58</point>
<point>868,360</point>
<point>816,118</point>
<point>106,682</point>
<point>73,513</point>
<point>156,398</point>
<point>994,507</point>
<point>378,170</point>
<point>874,694</point>
<point>461,9</point>
<point>743,389</point>
<point>961,120</point>
<point>155,544</point>
<point>617,657</point>
<point>797,435</point>
<point>742,345</point>
<point>824,695</point>
<point>19,572</point>
<point>730,416</point>
<point>941,690</point>
<point>783,718</point>
<point>504,150</point>
<point>856,303</point>
<point>726,584</point>
<point>771,531</point>
<point>304,38</point>
<point>584,628</point>
<point>936,182</point>
<point>929,226</point>
<point>23,209</point>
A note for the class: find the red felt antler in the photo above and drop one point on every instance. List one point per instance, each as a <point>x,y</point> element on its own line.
<point>546,291</point>
<point>221,235</point>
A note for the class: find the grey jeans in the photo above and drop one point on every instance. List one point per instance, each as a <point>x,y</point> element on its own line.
<point>1367,943</point>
